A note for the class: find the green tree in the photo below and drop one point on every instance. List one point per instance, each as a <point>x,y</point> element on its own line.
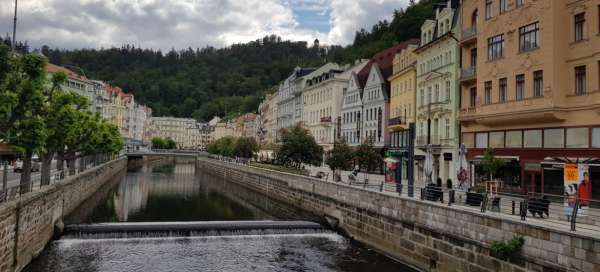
<point>245,147</point>
<point>22,101</point>
<point>368,158</point>
<point>298,146</point>
<point>170,144</point>
<point>158,143</point>
<point>490,163</point>
<point>339,158</point>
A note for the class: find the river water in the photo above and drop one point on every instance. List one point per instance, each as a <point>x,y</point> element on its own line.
<point>174,192</point>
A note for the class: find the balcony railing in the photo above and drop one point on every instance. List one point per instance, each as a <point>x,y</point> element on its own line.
<point>326,119</point>
<point>469,34</point>
<point>468,73</point>
<point>400,120</point>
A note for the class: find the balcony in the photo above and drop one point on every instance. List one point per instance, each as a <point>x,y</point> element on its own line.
<point>527,111</point>
<point>398,122</point>
<point>469,35</point>
<point>422,140</point>
<point>468,75</point>
<point>326,120</point>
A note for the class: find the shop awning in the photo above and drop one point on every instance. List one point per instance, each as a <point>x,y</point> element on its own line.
<point>560,161</point>
<point>479,158</point>
<point>390,160</point>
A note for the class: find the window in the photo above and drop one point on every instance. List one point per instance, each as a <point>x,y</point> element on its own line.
<point>529,37</point>
<point>520,3</point>
<point>503,6</point>
<point>428,95</point>
<point>538,83</point>
<point>473,97</point>
<point>520,87</point>
<point>488,92</point>
<point>554,138</point>
<point>474,57</point>
<point>579,26</point>
<point>447,134</point>
<point>580,85</point>
<point>447,91</point>
<point>496,47</point>
<point>502,90</point>
<point>469,140</point>
<point>497,139</point>
<point>578,137</point>
<point>533,138</point>
<point>596,137</point>
<point>514,139</point>
<point>422,95</point>
<point>488,9</point>
<point>437,93</point>
<point>481,140</point>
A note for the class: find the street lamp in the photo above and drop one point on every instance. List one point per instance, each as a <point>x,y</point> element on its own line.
<point>14,41</point>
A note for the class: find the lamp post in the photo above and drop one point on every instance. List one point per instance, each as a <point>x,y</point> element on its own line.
<point>14,40</point>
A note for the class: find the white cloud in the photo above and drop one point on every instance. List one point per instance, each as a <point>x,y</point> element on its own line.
<point>184,23</point>
<point>349,16</point>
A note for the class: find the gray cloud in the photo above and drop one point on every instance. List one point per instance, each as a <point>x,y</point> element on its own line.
<point>182,23</point>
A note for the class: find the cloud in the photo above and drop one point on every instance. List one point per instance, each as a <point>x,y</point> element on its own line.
<point>347,17</point>
<point>166,24</point>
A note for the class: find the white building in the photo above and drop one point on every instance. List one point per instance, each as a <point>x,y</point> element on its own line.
<point>289,102</point>
<point>184,131</point>
<point>322,96</point>
<point>351,111</point>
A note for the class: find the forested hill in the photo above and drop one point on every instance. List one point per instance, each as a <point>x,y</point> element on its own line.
<point>201,83</point>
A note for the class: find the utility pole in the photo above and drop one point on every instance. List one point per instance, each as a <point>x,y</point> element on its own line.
<point>14,40</point>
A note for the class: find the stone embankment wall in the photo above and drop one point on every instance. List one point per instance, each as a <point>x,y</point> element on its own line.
<point>27,223</point>
<point>425,235</point>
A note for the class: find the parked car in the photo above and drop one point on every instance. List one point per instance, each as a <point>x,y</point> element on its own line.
<point>35,166</point>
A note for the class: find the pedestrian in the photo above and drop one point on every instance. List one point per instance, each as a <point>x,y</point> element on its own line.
<point>585,194</point>
<point>571,199</point>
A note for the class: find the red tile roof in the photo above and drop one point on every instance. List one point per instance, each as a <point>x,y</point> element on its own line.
<point>52,69</point>
<point>385,61</point>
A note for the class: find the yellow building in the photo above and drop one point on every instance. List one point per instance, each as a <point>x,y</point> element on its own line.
<point>533,91</point>
<point>403,84</point>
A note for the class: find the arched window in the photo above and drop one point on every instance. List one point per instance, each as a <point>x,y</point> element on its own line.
<point>474,19</point>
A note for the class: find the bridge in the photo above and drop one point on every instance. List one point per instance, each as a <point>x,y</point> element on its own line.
<point>164,153</point>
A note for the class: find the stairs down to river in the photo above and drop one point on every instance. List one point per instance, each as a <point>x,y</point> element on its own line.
<point>189,229</point>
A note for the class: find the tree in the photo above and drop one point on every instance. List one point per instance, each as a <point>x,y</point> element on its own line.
<point>170,144</point>
<point>368,158</point>
<point>158,143</point>
<point>339,158</point>
<point>298,147</point>
<point>245,147</point>
<point>22,100</point>
<point>490,163</point>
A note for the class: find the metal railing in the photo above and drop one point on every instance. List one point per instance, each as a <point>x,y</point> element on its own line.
<point>468,73</point>
<point>571,212</point>
<point>14,189</point>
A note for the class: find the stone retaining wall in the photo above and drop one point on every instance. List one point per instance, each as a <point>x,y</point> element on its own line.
<point>27,223</point>
<point>425,235</point>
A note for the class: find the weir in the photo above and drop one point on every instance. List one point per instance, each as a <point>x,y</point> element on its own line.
<point>189,229</point>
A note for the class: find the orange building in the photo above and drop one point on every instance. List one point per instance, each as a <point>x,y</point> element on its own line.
<point>530,88</point>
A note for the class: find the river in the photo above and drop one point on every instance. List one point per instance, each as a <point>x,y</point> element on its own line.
<point>167,192</point>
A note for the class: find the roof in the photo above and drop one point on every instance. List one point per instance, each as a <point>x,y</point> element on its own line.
<point>53,69</point>
<point>385,61</point>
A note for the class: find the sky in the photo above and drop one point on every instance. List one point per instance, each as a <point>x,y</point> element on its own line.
<point>166,24</point>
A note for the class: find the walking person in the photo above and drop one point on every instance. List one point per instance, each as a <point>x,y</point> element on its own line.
<point>585,194</point>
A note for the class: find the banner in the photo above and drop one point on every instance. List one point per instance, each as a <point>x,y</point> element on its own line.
<point>571,174</point>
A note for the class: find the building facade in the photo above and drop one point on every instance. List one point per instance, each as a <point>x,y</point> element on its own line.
<point>351,111</point>
<point>185,132</point>
<point>289,102</point>
<point>438,70</point>
<point>533,93</point>
<point>266,122</point>
<point>403,83</point>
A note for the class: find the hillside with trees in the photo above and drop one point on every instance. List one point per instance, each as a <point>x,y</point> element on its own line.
<point>201,83</point>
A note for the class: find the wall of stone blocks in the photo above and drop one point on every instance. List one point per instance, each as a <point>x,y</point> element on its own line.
<point>426,235</point>
<point>27,223</point>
